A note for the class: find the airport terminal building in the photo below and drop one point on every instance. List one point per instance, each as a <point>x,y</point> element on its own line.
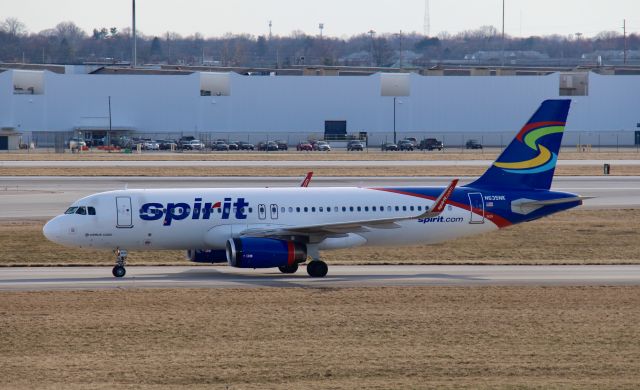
<point>38,104</point>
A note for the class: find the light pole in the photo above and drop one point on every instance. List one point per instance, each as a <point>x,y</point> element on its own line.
<point>394,117</point>
<point>371,34</point>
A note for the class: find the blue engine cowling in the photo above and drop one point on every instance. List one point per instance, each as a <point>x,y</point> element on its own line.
<point>207,255</point>
<point>264,252</point>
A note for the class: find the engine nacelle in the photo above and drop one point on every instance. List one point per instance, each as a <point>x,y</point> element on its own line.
<point>264,252</point>
<point>207,255</point>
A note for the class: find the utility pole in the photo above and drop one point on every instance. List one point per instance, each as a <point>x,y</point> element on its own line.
<point>427,21</point>
<point>270,24</point>
<point>624,34</point>
<point>371,34</point>
<point>400,38</point>
<point>502,33</point>
<point>134,54</point>
<point>321,27</point>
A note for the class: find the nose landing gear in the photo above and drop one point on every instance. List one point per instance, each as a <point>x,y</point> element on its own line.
<point>121,260</point>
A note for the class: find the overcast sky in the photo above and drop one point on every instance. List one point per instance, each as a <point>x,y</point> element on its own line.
<point>340,17</point>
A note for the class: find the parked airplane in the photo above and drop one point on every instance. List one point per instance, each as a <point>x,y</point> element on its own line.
<point>282,227</point>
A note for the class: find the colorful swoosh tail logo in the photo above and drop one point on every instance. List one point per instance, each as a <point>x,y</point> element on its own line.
<point>530,135</point>
<point>529,160</point>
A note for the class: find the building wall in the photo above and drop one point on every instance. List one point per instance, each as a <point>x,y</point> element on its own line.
<point>447,106</point>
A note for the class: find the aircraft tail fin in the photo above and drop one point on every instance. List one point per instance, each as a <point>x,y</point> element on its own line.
<point>530,159</point>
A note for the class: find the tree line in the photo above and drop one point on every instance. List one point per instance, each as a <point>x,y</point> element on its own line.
<point>66,43</point>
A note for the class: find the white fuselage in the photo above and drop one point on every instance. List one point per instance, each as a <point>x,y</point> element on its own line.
<point>207,218</point>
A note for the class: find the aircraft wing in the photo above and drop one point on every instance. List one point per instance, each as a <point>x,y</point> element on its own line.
<point>356,226</point>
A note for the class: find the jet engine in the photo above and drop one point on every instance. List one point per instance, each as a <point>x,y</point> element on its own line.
<point>264,252</point>
<point>207,255</point>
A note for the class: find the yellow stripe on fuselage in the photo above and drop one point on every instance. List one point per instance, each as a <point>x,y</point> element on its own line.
<point>537,161</point>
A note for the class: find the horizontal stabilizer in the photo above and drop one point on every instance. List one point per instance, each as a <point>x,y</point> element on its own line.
<point>526,206</point>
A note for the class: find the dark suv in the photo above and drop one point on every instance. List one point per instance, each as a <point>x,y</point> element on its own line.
<point>405,144</point>
<point>430,144</point>
<point>473,144</point>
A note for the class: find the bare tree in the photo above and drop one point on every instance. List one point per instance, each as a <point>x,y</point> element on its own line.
<point>13,27</point>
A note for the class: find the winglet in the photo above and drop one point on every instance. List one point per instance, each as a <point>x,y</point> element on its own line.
<point>307,179</point>
<point>441,201</point>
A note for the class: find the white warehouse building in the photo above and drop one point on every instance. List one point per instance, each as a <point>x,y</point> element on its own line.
<point>209,105</point>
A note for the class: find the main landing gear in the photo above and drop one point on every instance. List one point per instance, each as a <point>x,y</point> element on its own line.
<point>121,260</point>
<point>289,269</point>
<point>317,269</point>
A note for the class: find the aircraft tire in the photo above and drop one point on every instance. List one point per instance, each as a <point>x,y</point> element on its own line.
<point>317,269</point>
<point>118,271</point>
<point>289,269</point>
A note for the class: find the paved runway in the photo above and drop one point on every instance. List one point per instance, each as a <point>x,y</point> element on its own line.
<point>73,278</point>
<point>42,197</point>
<point>283,163</point>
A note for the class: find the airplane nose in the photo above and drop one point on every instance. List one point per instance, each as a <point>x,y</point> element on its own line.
<point>51,230</point>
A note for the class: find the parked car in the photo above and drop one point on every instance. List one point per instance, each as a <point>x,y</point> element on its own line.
<point>150,145</point>
<point>195,144</point>
<point>355,145</point>
<point>220,146</point>
<point>166,144</point>
<point>282,145</point>
<point>304,146</point>
<point>323,146</point>
<point>413,141</point>
<point>388,146</point>
<point>76,143</point>
<point>242,145</point>
<point>233,145</point>
<point>473,144</point>
<point>405,144</point>
<point>430,144</point>
<point>272,146</point>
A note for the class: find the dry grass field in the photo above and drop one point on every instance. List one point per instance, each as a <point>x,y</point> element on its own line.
<point>573,237</point>
<point>376,338</point>
<point>319,171</point>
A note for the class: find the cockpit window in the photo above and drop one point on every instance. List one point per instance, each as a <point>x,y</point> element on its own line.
<point>81,210</point>
<point>91,210</point>
<point>71,210</point>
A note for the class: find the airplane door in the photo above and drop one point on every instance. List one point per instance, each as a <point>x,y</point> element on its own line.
<point>274,211</point>
<point>262,211</point>
<point>124,215</point>
<point>477,207</point>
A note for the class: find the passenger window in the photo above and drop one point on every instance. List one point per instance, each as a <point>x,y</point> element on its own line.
<point>92,210</point>
<point>297,209</point>
<point>351,208</point>
<point>373,208</point>
<point>335,209</point>
<point>344,208</point>
<point>366,208</point>
<point>388,208</point>
<point>359,208</point>
<point>313,209</point>
<point>411,208</point>
<point>321,209</point>
<point>81,210</point>
<point>282,209</point>
<point>291,209</point>
<point>404,208</point>
<point>250,209</point>
<point>419,208</point>
<point>328,209</point>
<point>306,209</point>
<point>397,208</point>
